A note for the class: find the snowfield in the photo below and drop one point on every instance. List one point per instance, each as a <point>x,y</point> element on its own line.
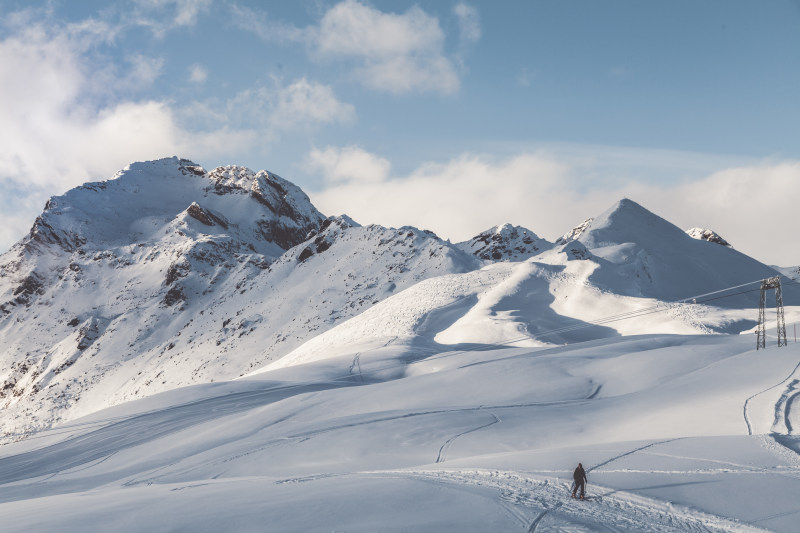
<point>192,350</point>
<point>677,433</point>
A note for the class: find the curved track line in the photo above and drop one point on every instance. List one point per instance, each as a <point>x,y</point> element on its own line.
<point>747,401</point>
<point>635,450</point>
<point>442,457</point>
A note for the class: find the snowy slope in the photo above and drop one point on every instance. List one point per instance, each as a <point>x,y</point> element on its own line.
<point>678,433</point>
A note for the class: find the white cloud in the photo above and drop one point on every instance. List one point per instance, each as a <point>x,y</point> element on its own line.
<point>144,70</point>
<point>350,164</point>
<point>351,28</point>
<point>198,74</point>
<point>457,199</point>
<point>303,102</point>
<point>397,53</point>
<point>751,206</point>
<point>468,23</point>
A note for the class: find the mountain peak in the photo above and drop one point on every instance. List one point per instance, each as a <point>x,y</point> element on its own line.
<point>627,221</point>
<point>505,243</point>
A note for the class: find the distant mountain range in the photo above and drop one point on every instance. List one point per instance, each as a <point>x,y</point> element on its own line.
<point>169,275</point>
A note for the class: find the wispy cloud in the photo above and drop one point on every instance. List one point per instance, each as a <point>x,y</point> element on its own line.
<point>304,102</point>
<point>468,22</point>
<point>198,74</point>
<point>259,22</point>
<point>525,77</point>
<point>163,15</point>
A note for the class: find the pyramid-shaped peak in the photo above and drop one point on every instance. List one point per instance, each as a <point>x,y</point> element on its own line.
<point>628,221</point>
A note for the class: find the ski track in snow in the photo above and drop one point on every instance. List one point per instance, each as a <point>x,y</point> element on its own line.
<point>780,407</point>
<point>442,457</point>
<point>626,454</point>
<point>783,408</point>
<point>610,510</point>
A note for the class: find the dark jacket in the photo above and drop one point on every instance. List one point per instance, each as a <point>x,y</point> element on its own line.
<point>579,475</point>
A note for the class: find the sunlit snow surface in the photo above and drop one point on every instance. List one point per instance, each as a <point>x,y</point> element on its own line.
<point>472,440</point>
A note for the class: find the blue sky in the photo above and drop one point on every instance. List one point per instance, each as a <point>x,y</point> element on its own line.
<point>453,116</point>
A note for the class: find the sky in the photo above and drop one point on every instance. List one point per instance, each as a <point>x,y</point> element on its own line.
<point>446,115</point>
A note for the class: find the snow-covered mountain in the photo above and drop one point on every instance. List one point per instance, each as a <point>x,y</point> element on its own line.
<point>640,254</point>
<point>168,275</point>
<point>261,363</point>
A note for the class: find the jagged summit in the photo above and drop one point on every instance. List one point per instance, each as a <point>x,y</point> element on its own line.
<point>707,235</point>
<point>505,243</point>
<point>140,201</point>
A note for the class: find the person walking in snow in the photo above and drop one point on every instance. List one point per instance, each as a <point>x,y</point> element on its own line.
<point>579,476</point>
